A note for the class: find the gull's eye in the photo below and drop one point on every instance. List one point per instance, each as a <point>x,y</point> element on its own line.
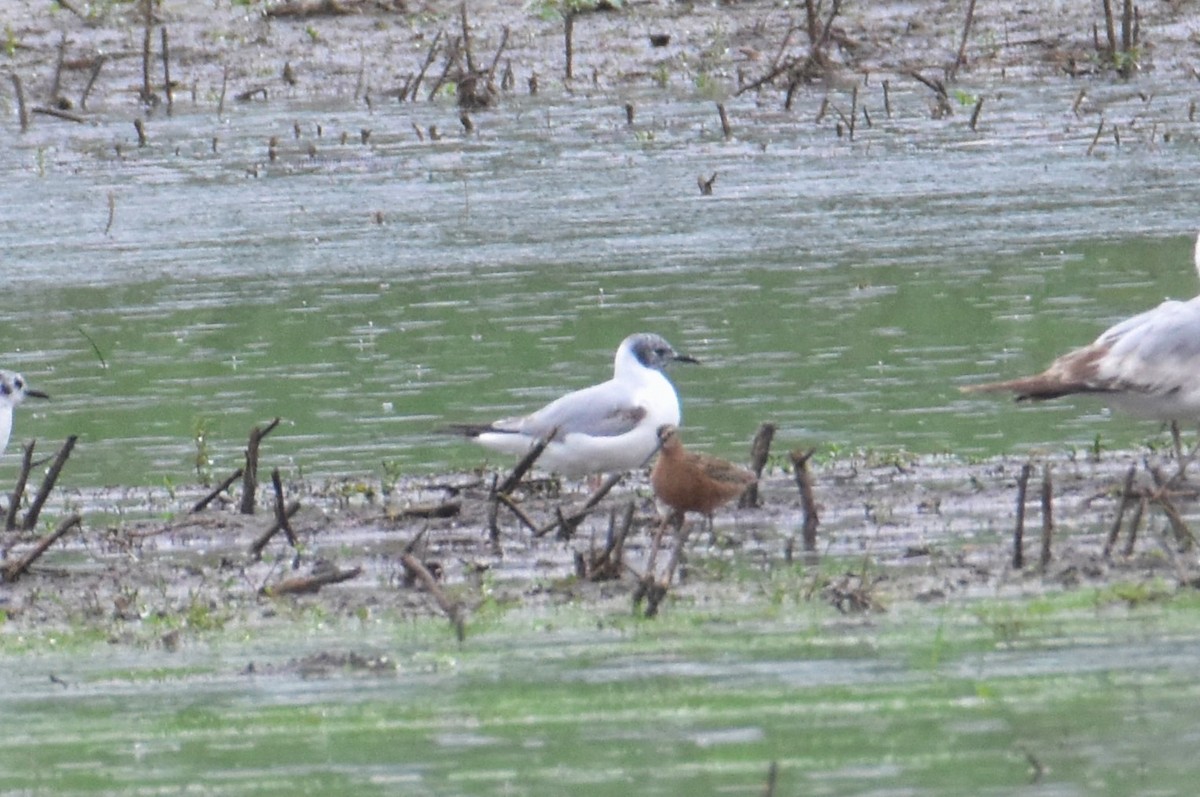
<point>18,384</point>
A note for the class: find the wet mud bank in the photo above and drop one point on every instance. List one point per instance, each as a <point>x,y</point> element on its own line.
<point>141,569</point>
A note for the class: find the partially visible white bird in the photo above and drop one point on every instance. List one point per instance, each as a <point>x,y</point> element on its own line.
<point>1147,365</point>
<point>13,390</point>
<point>606,428</point>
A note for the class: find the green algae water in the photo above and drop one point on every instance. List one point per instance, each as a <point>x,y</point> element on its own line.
<point>997,698</point>
<point>374,291</point>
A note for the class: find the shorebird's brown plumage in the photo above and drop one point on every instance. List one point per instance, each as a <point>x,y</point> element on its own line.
<point>689,481</point>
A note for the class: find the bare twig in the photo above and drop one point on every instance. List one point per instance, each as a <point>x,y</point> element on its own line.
<point>22,109</point>
<point>1018,559</point>
<point>256,547</point>
<point>14,501</point>
<point>961,58</point>
<point>760,451</point>
<point>97,65</point>
<point>1126,499</point>
<point>807,501</point>
<point>452,609</point>
<point>1047,518</point>
<point>281,515</point>
<point>250,473</point>
<point>48,481</point>
<point>14,570</point>
<point>222,487</point>
<point>166,62</point>
<point>416,84</point>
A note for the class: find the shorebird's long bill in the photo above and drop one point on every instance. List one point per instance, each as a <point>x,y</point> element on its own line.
<point>36,393</point>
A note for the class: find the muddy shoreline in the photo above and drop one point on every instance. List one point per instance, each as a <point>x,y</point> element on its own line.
<point>85,60</point>
<point>143,570</point>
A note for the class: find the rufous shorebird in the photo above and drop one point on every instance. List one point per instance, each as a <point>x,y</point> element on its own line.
<point>688,481</point>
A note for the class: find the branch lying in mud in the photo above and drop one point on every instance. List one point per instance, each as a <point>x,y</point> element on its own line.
<point>323,573</point>
<point>452,609</point>
<point>15,570</point>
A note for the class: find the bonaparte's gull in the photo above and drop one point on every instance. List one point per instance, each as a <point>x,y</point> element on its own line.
<point>1147,365</point>
<point>13,390</point>
<point>689,481</point>
<point>606,428</point>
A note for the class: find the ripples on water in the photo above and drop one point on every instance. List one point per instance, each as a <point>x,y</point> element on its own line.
<point>368,294</point>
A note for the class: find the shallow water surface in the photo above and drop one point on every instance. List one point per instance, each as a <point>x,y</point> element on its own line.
<point>367,293</point>
<point>696,703</point>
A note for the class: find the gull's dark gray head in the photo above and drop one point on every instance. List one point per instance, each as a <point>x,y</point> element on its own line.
<point>14,388</point>
<point>653,351</point>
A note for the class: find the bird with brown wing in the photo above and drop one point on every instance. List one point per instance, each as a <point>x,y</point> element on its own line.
<point>688,481</point>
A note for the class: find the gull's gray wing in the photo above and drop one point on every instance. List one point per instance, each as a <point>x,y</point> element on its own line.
<point>1155,349</point>
<point>605,410</point>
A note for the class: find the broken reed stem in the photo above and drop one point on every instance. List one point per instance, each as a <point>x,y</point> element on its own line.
<point>961,58</point>
<point>222,487</point>
<point>760,451</point>
<point>1096,138</point>
<point>1047,518</point>
<point>568,43</point>
<point>726,130</point>
<point>147,30</point>
<point>466,37</point>
<point>887,99</point>
<point>516,509</point>
<point>62,56</point>
<point>22,108</point>
<point>853,109</point>
<point>1135,523</point>
<point>568,523</point>
<point>166,62</point>
<point>1110,29</point>
<point>451,609</point>
<point>281,515</point>
<point>491,73</point>
<point>527,461</point>
<point>807,501</point>
<point>1018,560</point>
<point>772,777</point>
<point>15,570</point>
<point>416,84</point>
<point>87,90</point>
<point>614,546</point>
<point>250,473</point>
<point>224,86</point>
<point>975,113</point>
<point>140,127</point>
<point>1126,498</point>
<point>256,547</point>
<point>48,481</point>
<point>14,501</point>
